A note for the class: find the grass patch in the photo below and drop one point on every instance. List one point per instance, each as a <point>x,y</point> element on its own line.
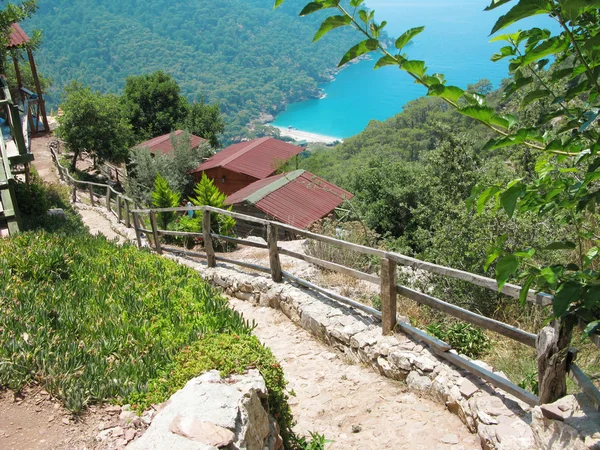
<point>93,321</point>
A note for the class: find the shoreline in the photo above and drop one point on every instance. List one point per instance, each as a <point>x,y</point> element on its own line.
<point>307,136</point>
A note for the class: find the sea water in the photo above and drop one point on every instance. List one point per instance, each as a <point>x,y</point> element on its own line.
<point>455,42</point>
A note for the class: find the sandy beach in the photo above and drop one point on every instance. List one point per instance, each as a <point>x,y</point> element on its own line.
<point>307,136</point>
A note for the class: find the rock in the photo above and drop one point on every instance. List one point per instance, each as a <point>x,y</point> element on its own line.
<point>129,434</point>
<point>424,363</point>
<point>552,412</point>
<point>210,412</point>
<point>449,439</point>
<point>486,418</point>
<point>403,360</point>
<point>66,421</point>
<point>57,212</point>
<point>356,428</point>
<point>113,409</point>
<point>418,382</point>
<point>467,388</point>
<point>118,431</point>
<point>127,416</point>
<point>553,434</point>
<point>201,431</point>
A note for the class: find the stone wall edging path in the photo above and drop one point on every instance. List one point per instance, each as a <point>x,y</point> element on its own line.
<point>501,420</point>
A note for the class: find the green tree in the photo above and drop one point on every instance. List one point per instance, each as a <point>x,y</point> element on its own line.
<point>566,141</point>
<point>94,123</point>
<point>153,104</point>
<point>205,120</point>
<point>164,197</point>
<point>207,194</point>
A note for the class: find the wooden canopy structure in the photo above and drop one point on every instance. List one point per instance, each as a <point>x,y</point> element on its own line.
<point>31,102</point>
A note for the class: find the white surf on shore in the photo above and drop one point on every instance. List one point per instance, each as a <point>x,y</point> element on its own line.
<point>299,135</point>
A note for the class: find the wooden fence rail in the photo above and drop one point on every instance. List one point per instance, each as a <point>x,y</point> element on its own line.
<point>387,280</point>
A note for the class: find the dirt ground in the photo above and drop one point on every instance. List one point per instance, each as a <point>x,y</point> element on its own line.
<point>42,159</point>
<point>35,421</point>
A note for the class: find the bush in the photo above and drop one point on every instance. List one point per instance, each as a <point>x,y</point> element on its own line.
<point>463,337</point>
<point>91,321</point>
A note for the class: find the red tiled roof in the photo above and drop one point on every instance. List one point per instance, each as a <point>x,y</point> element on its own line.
<point>297,198</point>
<point>258,158</point>
<point>163,145</point>
<point>17,36</point>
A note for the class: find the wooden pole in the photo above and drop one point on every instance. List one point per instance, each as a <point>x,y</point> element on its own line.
<point>208,242</point>
<point>275,263</point>
<point>108,198</point>
<point>127,220</point>
<point>91,194</point>
<point>554,359</point>
<point>15,58</point>
<point>136,226</point>
<point>119,209</point>
<point>388,295</point>
<point>41,103</point>
<point>74,193</point>
<point>155,233</point>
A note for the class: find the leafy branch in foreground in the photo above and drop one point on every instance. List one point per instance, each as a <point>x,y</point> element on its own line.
<point>566,140</point>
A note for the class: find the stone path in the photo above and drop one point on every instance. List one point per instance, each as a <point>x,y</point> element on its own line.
<point>350,404</point>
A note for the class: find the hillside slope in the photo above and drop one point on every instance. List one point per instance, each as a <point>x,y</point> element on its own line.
<point>240,53</point>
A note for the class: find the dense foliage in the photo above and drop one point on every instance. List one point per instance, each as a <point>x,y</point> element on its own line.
<point>95,123</point>
<point>237,53</point>
<point>564,140</point>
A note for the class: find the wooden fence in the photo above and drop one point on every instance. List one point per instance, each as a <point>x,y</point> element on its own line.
<point>387,280</point>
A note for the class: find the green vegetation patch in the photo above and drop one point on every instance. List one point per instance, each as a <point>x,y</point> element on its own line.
<point>92,321</point>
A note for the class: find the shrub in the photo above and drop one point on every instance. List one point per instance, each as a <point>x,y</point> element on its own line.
<point>463,337</point>
<point>164,197</point>
<point>91,321</point>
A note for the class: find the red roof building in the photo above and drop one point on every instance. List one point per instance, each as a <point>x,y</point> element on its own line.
<point>240,165</point>
<point>18,37</point>
<point>162,144</point>
<point>297,198</point>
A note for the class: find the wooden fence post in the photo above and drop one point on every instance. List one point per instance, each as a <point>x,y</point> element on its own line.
<point>208,242</point>
<point>554,359</point>
<point>108,198</point>
<point>136,226</point>
<point>119,209</point>
<point>74,192</point>
<point>127,220</point>
<point>155,233</point>
<point>388,295</point>
<point>275,263</point>
<point>91,188</point>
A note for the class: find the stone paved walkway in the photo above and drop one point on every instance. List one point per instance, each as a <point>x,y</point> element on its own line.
<point>350,404</point>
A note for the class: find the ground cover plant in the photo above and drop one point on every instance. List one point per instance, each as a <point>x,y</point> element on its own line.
<point>92,321</point>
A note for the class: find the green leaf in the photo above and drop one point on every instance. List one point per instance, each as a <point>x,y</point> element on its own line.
<point>549,275</point>
<point>278,3</point>
<point>561,245</point>
<point>525,289</point>
<point>523,9</point>
<point>495,4</point>
<point>534,95</point>
<point>566,294</point>
<point>451,93</point>
<point>509,198</point>
<point>386,60</point>
<point>330,23</point>
<point>572,9</point>
<point>553,45</point>
<point>407,36</point>
<point>506,266</point>
<point>366,46</point>
<point>416,67</point>
<point>363,16</point>
<point>317,6</point>
<point>485,196</point>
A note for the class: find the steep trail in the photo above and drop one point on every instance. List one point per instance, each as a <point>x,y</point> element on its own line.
<point>349,404</point>
<point>352,405</point>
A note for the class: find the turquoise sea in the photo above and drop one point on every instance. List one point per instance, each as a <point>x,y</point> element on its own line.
<point>455,42</point>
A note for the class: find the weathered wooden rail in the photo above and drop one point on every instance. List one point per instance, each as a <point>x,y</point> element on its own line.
<point>387,281</point>
<point>127,212</point>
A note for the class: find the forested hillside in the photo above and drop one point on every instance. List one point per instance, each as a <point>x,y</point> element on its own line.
<point>239,53</point>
